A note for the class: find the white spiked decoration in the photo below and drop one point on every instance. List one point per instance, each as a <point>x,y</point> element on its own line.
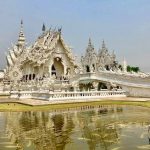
<point>124,65</point>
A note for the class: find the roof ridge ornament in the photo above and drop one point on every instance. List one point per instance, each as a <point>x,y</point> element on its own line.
<point>21,24</point>
<point>103,44</point>
<point>43,28</point>
<point>90,43</point>
<point>60,29</point>
<point>90,47</point>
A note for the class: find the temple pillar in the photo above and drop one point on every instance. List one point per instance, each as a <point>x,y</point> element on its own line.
<point>49,70</point>
<point>108,86</point>
<point>28,77</point>
<point>41,71</point>
<point>32,76</point>
<point>64,69</point>
<point>76,87</point>
<point>95,85</point>
<point>50,67</point>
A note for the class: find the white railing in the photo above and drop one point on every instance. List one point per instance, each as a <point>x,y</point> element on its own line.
<point>58,96</point>
<point>120,79</point>
<point>4,93</point>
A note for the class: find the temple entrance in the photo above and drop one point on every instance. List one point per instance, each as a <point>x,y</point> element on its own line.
<point>107,67</point>
<point>57,68</point>
<point>87,68</point>
<point>53,72</point>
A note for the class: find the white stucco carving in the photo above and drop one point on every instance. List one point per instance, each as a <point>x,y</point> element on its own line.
<point>48,64</point>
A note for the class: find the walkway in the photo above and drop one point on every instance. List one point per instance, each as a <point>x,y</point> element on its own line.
<point>34,102</point>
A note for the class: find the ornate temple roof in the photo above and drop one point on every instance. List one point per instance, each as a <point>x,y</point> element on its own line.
<point>100,60</point>
<point>90,55</point>
<point>39,52</point>
<point>45,45</point>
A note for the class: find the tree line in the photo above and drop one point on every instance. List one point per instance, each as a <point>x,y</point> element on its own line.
<point>132,69</point>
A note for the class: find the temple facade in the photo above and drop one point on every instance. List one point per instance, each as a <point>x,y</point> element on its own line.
<point>49,64</point>
<point>49,58</point>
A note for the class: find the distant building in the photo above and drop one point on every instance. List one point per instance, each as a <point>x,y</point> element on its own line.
<point>102,60</point>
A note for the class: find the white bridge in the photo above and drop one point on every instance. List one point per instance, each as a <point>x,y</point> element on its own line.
<point>134,85</point>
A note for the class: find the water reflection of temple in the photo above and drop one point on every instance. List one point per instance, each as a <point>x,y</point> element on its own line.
<point>58,131</point>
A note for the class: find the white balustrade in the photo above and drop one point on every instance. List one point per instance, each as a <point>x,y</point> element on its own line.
<point>58,96</point>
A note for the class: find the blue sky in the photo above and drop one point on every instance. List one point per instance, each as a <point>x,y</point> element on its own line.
<point>123,24</point>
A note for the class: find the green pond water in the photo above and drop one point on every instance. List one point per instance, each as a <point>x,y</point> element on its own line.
<point>84,128</point>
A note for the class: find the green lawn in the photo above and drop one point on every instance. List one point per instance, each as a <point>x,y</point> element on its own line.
<point>22,107</point>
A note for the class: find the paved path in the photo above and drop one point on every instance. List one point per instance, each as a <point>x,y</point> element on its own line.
<point>34,102</point>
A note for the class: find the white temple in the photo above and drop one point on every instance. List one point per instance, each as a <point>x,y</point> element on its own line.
<point>92,61</point>
<point>48,64</point>
<point>48,57</point>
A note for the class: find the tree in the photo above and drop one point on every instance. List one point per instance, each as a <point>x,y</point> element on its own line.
<point>132,68</point>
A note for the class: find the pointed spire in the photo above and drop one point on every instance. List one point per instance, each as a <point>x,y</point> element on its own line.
<point>21,23</point>
<point>21,26</point>
<point>43,27</point>
<point>60,29</point>
<point>90,47</point>
<point>113,54</point>
<point>124,65</point>
<point>90,43</point>
<point>103,44</point>
<point>21,39</point>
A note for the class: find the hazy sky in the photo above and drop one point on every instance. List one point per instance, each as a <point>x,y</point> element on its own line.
<point>123,24</point>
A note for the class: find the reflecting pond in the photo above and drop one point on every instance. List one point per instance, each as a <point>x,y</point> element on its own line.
<point>86,128</point>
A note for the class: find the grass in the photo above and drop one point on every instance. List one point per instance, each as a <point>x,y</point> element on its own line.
<point>23,107</point>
